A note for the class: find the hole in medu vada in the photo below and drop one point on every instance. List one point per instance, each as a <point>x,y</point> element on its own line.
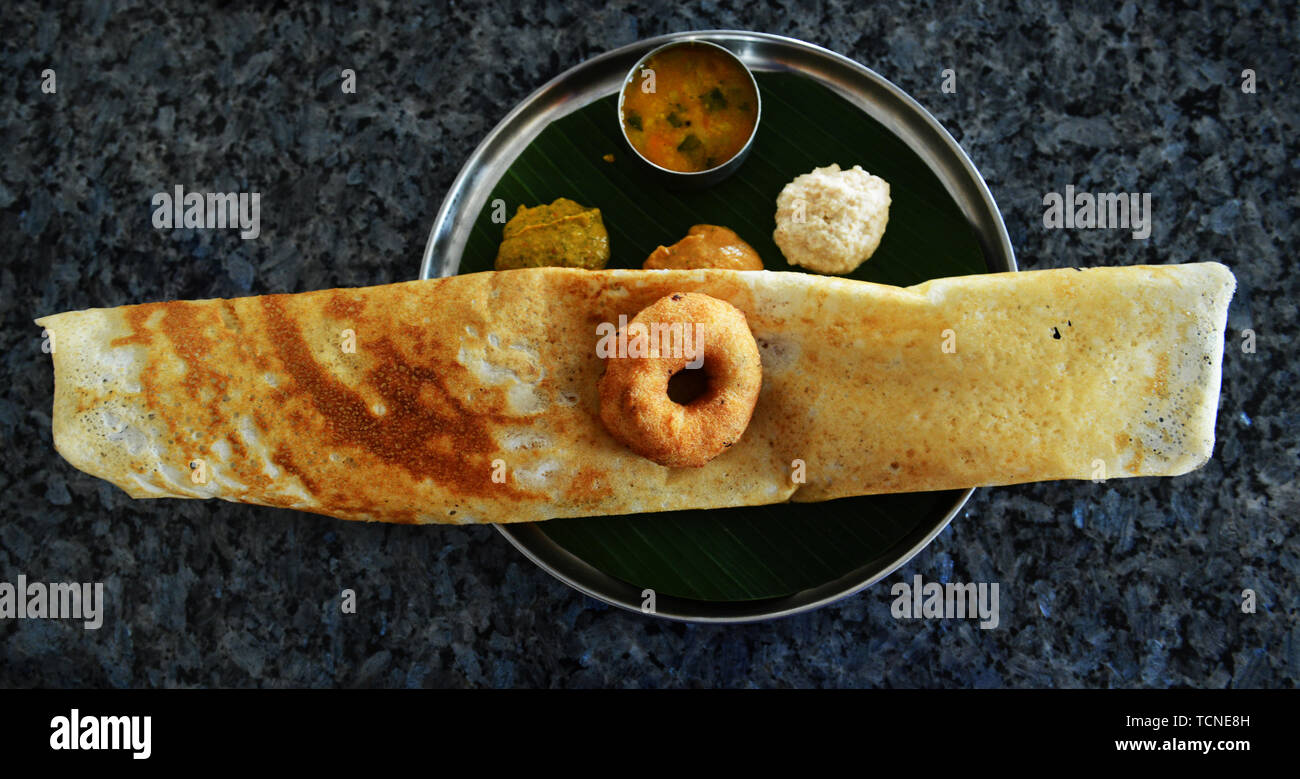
<point>687,385</point>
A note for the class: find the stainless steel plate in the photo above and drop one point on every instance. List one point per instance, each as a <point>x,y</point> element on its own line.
<point>602,76</point>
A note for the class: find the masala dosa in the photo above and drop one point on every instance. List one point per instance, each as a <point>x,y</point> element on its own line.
<point>962,382</point>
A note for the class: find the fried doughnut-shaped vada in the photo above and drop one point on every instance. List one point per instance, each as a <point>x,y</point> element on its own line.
<point>634,403</point>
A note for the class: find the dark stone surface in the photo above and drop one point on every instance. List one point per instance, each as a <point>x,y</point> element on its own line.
<point>1130,583</point>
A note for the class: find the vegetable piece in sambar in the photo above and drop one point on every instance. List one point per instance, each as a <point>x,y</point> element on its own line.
<point>564,234</point>
<point>701,113</point>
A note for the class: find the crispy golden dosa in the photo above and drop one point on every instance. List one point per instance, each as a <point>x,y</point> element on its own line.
<point>474,398</point>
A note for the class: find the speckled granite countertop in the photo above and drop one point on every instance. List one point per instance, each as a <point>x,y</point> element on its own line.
<point>1131,583</point>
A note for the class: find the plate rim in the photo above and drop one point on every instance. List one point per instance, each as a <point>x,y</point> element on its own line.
<point>447,239</point>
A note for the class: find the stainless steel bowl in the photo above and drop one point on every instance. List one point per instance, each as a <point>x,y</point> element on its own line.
<point>677,179</point>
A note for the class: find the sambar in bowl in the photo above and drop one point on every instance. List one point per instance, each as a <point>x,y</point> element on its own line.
<point>690,110</point>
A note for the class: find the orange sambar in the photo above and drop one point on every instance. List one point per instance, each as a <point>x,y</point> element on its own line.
<point>689,108</point>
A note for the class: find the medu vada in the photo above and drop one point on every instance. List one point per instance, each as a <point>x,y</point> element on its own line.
<point>635,405</point>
